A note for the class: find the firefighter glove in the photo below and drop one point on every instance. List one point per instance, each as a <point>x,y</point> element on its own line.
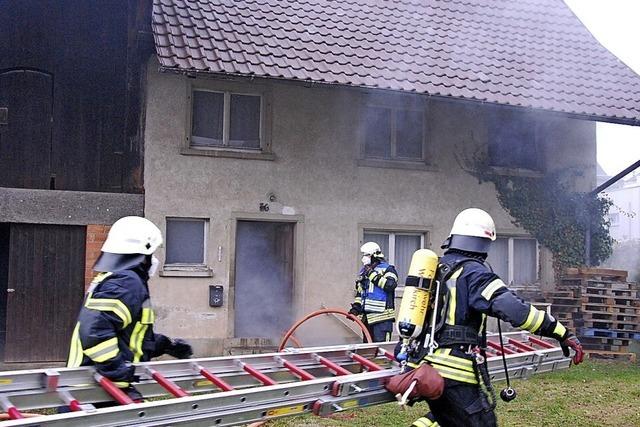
<point>134,394</point>
<point>356,309</point>
<point>180,349</point>
<point>571,341</point>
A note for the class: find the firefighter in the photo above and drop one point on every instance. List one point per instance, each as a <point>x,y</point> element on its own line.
<point>375,293</point>
<point>115,324</point>
<point>471,293</point>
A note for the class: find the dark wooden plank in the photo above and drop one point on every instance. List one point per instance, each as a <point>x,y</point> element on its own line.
<point>91,49</point>
<point>25,141</point>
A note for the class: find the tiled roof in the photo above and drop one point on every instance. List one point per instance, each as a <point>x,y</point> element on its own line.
<point>532,53</point>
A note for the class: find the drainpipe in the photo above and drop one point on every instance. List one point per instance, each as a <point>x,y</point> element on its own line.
<point>594,192</point>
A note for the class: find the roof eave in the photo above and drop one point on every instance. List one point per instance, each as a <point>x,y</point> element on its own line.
<point>589,117</point>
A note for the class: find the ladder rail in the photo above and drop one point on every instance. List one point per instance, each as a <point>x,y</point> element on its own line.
<point>305,376</point>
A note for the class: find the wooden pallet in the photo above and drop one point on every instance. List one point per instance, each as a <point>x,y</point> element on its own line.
<point>603,354</point>
<point>590,273</point>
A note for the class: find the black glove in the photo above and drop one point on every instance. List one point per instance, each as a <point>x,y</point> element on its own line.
<point>356,309</point>
<point>571,341</point>
<point>367,270</point>
<point>180,349</point>
<point>133,393</point>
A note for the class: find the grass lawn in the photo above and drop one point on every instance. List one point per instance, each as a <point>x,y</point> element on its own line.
<point>594,393</point>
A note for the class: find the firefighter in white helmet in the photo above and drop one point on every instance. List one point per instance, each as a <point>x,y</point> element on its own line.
<point>115,324</point>
<point>472,291</point>
<point>375,292</point>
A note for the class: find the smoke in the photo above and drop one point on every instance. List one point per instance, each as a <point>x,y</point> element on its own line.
<point>263,279</point>
<point>626,257</point>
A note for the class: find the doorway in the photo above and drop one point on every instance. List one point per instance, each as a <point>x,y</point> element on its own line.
<point>26,119</point>
<point>263,293</point>
<point>42,282</point>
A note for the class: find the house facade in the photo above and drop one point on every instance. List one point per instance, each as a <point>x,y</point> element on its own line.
<point>278,227</point>
<point>281,135</point>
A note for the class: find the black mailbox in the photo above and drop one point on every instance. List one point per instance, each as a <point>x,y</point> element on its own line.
<point>215,296</point>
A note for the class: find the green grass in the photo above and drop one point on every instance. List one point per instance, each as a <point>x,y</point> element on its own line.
<point>594,393</point>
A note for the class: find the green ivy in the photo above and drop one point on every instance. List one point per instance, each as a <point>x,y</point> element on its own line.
<point>550,211</point>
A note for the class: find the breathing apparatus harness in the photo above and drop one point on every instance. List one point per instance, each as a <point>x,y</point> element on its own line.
<point>415,347</point>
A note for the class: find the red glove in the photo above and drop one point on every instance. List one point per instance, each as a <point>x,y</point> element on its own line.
<point>571,341</point>
<point>430,384</point>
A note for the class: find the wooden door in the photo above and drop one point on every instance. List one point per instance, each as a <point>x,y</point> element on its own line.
<point>45,288</point>
<point>26,98</point>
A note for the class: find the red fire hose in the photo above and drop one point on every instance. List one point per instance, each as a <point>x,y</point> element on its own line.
<point>349,316</point>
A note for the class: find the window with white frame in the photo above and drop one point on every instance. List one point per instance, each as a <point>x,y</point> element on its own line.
<point>398,247</point>
<point>393,133</point>
<point>186,242</point>
<point>515,259</point>
<point>223,119</point>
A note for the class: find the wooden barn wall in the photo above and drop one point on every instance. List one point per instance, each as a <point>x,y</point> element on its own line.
<point>91,50</point>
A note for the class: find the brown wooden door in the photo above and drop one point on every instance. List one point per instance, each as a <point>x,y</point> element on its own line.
<point>25,132</point>
<point>45,287</point>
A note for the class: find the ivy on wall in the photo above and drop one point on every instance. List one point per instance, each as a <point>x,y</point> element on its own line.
<point>547,208</point>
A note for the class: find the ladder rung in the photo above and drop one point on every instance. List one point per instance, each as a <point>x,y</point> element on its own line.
<point>541,343</point>
<point>218,382</point>
<point>520,345</point>
<point>387,354</point>
<point>498,348</point>
<point>71,402</point>
<point>257,374</point>
<point>337,369</point>
<point>11,410</point>
<point>113,390</point>
<point>296,370</point>
<point>168,385</point>
<point>371,366</point>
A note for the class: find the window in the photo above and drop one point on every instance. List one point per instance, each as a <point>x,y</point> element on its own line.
<point>226,120</point>
<point>515,259</point>
<point>392,133</point>
<point>186,242</point>
<point>398,248</point>
<point>614,219</point>
<point>513,140</point>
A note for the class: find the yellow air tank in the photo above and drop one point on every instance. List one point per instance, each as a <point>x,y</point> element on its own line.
<point>416,299</point>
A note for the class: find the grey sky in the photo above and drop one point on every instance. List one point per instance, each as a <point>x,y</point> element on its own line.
<point>615,23</point>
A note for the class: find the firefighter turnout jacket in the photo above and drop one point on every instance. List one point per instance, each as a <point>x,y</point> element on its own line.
<point>375,292</point>
<point>471,293</point>
<point>115,326</point>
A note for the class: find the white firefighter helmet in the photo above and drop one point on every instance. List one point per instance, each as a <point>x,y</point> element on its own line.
<point>129,241</point>
<point>371,248</point>
<point>473,230</point>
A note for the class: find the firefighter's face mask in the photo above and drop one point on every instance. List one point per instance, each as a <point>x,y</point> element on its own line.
<point>366,260</point>
<point>155,262</point>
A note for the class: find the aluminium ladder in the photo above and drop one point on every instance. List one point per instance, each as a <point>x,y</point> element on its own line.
<point>233,390</point>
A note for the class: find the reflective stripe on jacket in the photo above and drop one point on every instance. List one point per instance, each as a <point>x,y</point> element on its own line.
<point>473,292</point>
<point>115,326</point>
<point>376,293</point>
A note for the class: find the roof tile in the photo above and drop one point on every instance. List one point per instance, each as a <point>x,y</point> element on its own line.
<point>517,52</point>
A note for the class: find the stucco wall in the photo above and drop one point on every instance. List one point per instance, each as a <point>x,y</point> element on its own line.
<point>314,137</point>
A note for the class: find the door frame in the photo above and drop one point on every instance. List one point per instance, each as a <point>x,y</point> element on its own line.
<point>298,260</point>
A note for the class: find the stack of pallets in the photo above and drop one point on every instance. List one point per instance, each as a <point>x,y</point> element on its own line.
<point>600,305</point>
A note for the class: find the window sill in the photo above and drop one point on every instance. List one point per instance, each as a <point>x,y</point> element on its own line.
<point>527,173</point>
<point>397,164</point>
<point>186,271</point>
<point>227,153</point>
